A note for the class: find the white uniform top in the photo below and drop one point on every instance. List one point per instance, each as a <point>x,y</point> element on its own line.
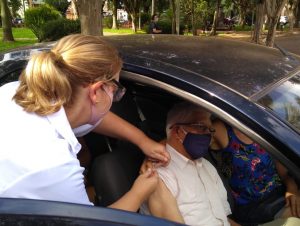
<point>198,189</point>
<point>38,154</point>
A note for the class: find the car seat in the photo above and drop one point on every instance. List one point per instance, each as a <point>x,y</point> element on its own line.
<point>114,173</point>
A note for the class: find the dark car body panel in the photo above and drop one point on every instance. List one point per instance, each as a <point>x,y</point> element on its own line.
<point>244,67</point>
<point>39,212</point>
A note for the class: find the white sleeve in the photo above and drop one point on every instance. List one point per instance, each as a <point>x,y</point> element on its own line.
<point>169,178</point>
<point>56,184</point>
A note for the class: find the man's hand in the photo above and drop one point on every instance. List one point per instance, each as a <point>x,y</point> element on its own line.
<point>293,201</point>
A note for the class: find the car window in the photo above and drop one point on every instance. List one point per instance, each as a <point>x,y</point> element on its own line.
<point>284,101</point>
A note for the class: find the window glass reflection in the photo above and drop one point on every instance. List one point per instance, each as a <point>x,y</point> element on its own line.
<point>284,100</point>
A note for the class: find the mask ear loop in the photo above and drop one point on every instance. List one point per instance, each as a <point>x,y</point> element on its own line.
<point>94,117</point>
<point>185,133</point>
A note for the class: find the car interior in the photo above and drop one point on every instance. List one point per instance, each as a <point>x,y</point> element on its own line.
<point>115,164</point>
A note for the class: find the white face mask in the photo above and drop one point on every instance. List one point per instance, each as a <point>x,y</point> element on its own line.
<point>96,116</point>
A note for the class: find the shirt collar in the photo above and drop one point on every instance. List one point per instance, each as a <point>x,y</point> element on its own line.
<point>180,159</point>
<point>61,124</point>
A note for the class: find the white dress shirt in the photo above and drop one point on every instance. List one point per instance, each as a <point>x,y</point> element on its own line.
<point>38,154</point>
<point>198,189</point>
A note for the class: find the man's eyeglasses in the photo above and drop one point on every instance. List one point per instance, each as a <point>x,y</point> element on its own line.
<point>119,92</point>
<point>198,127</point>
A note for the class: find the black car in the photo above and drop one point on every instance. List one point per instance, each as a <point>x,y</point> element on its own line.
<point>253,88</point>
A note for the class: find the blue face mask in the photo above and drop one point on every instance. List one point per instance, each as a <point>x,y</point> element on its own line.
<point>196,145</point>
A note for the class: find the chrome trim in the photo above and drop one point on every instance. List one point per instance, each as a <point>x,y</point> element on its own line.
<point>255,97</point>
<point>212,108</point>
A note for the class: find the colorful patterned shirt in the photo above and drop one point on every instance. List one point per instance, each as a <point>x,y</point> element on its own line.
<point>251,171</point>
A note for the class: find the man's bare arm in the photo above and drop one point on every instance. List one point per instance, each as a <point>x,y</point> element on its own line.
<point>163,204</point>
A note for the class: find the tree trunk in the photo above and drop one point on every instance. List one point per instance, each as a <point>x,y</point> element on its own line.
<point>6,22</point>
<point>297,14</point>
<point>152,7</point>
<point>215,22</point>
<point>193,19</point>
<point>115,19</point>
<point>292,13</point>
<point>172,5</point>
<point>271,32</point>
<point>242,19</point>
<point>133,22</point>
<point>30,4</point>
<point>90,16</point>
<point>260,16</point>
<point>178,17</point>
<point>132,8</point>
<point>273,8</point>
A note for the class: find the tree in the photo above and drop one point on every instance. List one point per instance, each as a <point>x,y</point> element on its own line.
<point>173,19</point>
<point>60,5</point>
<point>292,8</point>
<point>273,9</point>
<point>6,22</point>
<point>260,14</point>
<point>297,15</point>
<point>115,11</point>
<point>90,14</point>
<point>15,5</point>
<point>133,7</point>
<point>215,21</point>
<point>243,6</point>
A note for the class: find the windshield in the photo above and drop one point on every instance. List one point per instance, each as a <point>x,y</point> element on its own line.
<point>284,100</point>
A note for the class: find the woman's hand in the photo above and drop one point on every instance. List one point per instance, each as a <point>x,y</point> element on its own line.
<point>293,201</point>
<point>147,163</point>
<point>145,184</point>
<point>155,151</point>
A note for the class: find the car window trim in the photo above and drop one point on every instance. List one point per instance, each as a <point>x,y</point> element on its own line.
<point>255,97</point>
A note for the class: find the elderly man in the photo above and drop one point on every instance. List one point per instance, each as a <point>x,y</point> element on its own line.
<point>190,190</point>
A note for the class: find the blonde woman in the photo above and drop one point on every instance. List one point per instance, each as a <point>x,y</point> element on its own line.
<point>63,93</point>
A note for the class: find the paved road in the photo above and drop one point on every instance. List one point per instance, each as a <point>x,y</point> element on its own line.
<point>290,43</point>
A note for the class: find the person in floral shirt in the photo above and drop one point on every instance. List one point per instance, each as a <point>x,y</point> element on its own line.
<point>255,178</point>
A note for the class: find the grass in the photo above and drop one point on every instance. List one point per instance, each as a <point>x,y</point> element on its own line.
<point>122,31</point>
<point>22,36</point>
<point>4,46</point>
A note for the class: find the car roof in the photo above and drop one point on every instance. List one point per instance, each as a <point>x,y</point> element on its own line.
<point>243,67</point>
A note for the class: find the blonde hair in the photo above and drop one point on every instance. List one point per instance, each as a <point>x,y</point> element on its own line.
<point>50,79</point>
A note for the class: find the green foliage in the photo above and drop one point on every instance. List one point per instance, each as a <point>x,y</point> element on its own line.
<point>165,26</point>
<point>108,22</point>
<point>56,29</point>
<point>15,5</point>
<point>203,12</point>
<point>145,18</point>
<point>242,28</point>
<point>35,18</point>
<point>59,5</point>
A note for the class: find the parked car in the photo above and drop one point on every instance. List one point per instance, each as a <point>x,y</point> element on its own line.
<point>251,87</point>
<point>283,20</point>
